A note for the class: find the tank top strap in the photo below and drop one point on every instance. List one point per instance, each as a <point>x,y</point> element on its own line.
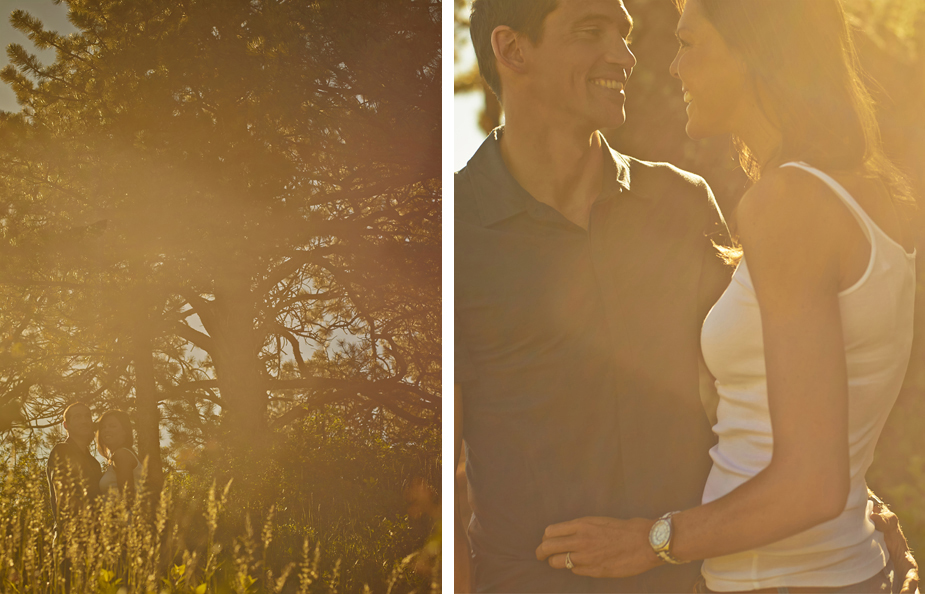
<point>130,451</point>
<point>867,224</point>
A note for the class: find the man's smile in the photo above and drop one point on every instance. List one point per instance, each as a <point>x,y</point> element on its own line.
<point>608,83</point>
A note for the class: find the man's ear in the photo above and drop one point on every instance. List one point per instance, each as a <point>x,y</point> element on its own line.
<point>506,44</point>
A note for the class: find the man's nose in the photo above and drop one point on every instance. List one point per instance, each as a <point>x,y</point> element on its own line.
<point>621,54</point>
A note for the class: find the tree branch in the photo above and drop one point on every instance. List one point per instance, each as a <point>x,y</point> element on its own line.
<point>197,338</point>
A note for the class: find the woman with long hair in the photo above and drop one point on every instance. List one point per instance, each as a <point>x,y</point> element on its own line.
<point>114,441</point>
<point>809,344</point>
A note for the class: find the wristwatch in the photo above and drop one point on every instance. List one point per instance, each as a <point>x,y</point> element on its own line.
<point>660,539</point>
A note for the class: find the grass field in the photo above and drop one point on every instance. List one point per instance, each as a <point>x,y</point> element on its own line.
<point>177,542</point>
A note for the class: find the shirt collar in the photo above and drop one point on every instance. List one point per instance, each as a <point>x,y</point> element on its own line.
<point>498,196</point>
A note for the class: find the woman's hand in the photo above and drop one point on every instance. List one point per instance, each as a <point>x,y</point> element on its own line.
<point>600,547</point>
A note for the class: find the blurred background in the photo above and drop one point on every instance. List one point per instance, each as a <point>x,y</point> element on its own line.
<point>891,42</point>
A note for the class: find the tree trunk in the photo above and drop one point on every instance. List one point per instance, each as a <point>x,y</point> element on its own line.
<point>237,367</point>
<point>148,414</point>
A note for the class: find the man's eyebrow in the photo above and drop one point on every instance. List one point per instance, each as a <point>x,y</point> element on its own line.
<point>593,18</point>
<point>625,23</point>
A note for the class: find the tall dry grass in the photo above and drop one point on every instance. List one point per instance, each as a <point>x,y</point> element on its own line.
<point>149,544</point>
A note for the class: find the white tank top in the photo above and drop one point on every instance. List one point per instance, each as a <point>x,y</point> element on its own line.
<point>876,314</point>
<point>108,480</point>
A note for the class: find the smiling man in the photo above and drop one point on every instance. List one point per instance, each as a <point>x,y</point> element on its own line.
<point>582,280</point>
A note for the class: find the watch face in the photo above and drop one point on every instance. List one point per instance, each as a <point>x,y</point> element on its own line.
<point>659,534</point>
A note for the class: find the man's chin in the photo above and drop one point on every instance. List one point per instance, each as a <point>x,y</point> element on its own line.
<point>612,122</point>
<point>84,440</point>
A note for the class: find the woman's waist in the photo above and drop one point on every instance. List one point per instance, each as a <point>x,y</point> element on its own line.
<point>848,534</point>
<point>814,558</point>
<point>745,443</point>
<point>736,465</point>
<point>881,581</point>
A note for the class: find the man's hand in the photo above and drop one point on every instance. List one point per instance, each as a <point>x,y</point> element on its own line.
<point>905,569</point>
<point>599,547</point>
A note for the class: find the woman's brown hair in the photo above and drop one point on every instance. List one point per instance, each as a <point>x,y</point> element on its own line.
<point>804,67</point>
<point>124,420</point>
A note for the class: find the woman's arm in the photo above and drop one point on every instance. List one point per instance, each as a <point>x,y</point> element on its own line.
<point>124,463</point>
<point>792,230</point>
<point>789,228</point>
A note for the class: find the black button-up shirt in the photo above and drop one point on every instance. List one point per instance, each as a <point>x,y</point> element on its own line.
<point>577,351</point>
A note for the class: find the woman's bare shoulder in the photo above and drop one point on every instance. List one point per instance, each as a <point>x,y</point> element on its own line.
<point>126,457</point>
<point>792,228</point>
<point>793,206</point>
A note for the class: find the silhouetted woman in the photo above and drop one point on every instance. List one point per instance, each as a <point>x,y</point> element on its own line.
<point>114,441</point>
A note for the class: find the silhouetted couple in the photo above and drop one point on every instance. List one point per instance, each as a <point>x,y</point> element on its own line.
<point>75,477</point>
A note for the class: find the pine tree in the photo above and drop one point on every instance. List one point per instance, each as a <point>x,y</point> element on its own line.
<point>224,209</point>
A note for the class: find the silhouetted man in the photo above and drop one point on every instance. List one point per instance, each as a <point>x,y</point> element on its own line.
<point>73,472</point>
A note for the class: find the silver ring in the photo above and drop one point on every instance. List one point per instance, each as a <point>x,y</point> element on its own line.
<point>568,560</point>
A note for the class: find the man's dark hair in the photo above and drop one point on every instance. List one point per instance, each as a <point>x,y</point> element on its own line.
<point>523,16</point>
<point>67,411</point>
